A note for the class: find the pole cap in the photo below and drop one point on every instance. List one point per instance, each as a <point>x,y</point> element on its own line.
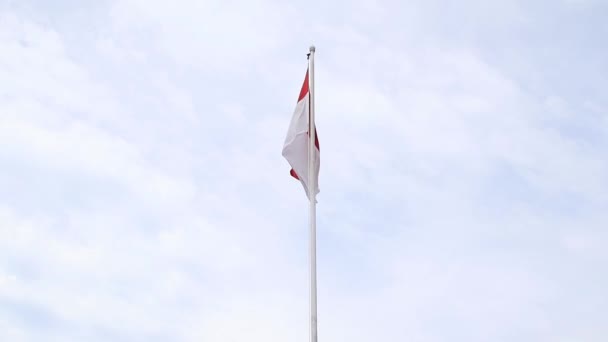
<point>312,48</point>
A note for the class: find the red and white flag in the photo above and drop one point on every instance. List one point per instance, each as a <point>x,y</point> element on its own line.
<point>295,149</point>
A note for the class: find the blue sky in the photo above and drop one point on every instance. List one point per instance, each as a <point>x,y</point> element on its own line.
<point>463,170</point>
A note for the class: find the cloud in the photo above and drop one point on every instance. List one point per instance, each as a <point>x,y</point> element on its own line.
<point>145,198</point>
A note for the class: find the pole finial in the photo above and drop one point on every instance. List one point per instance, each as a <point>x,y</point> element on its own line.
<point>312,48</point>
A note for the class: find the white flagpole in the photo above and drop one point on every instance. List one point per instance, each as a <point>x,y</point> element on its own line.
<point>312,194</point>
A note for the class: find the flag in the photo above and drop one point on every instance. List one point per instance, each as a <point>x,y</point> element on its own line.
<point>295,149</point>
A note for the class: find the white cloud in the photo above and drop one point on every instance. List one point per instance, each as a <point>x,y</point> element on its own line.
<point>145,197</point>
<point>205,35</point>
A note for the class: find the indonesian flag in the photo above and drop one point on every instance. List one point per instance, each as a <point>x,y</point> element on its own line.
<point>295,149</point>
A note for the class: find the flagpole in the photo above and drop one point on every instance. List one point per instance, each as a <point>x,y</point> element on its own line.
<point>312,197</point>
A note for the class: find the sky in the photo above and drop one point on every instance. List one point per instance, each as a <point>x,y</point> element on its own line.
<point>464,170</point>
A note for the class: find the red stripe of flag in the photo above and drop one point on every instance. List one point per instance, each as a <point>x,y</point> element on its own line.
<point>304,90</point>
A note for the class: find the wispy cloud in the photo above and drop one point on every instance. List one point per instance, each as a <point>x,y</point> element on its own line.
<point>463,171</point>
